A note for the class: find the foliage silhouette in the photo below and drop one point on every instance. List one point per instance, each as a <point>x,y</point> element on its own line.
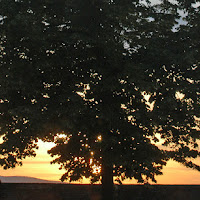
<point>112,77</point>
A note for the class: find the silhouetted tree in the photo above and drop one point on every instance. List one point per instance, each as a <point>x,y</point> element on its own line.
<point>102,79</point>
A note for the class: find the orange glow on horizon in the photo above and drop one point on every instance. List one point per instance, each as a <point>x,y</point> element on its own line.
<point>40,167</point>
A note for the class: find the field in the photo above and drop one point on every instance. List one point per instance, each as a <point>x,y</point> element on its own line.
<point>14,191</point>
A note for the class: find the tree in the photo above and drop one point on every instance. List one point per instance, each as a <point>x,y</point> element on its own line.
<point>101,79</point>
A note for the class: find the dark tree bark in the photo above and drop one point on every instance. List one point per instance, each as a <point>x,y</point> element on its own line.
<point>107,182</point>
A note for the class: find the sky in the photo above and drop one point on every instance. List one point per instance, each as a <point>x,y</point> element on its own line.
<point>40,167</point>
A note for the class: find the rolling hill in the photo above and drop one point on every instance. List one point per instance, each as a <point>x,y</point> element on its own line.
<point>24,179</point>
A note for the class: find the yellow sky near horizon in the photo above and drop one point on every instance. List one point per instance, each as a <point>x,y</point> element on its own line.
<point>40,167</point>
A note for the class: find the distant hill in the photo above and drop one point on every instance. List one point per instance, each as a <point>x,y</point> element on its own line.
<point>24,179</point>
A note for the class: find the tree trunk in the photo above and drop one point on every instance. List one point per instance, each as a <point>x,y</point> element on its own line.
<point>107,182</point>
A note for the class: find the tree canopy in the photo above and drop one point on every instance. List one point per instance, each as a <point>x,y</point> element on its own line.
<point>104,80</point>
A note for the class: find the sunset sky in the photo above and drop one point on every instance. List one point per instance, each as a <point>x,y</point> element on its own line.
<point>39,167</point>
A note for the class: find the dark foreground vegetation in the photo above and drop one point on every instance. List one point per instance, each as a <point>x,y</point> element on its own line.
<point>10,191</point>
<point>103,80</point>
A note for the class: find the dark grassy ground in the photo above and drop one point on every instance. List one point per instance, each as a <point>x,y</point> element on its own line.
<point>26,191</point>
